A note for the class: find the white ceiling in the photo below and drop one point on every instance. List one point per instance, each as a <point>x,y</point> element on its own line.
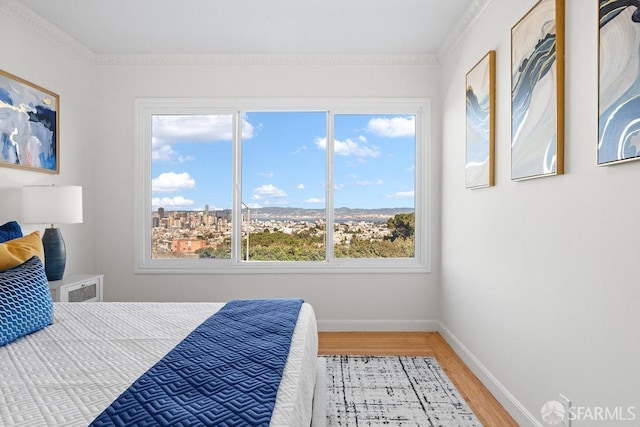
<point>304,27</point>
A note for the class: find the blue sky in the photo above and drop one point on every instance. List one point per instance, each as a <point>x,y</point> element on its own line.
<point>283,161</point>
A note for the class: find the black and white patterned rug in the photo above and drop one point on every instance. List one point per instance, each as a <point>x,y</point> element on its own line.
<point>393,391</point>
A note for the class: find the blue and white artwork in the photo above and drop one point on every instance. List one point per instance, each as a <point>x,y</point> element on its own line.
<point>536,142</point>
<point>619,101</point>
<point>28,125</point>
<point>480,137</point>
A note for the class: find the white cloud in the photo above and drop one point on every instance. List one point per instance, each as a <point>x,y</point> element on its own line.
<point>267,190</point>
<point>170,181</point>
<point>393,127</point>
<point>401,195</point>
<point>348,147</point>
<point>300,186</point>
<point>315,200</point>
<point>266,174</point>
<point>362,138</point>
<point>171,202</point>
<point>366,183</point>
<point>299,149</point>
<point>166,154</point>
<point>321,143</point>
<point>170,129</point>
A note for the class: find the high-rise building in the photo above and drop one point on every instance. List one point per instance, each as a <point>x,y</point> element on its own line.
<point>160,213</point>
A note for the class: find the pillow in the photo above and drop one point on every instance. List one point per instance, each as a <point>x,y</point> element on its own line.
<point>25,301</point>
<point>10,230</point>
<point>16,251</point>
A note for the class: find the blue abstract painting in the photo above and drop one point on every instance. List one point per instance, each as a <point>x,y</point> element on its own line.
<point>480,100</point>
<point>619,100</point>
<point>28,125</point>
<point>537,92</point>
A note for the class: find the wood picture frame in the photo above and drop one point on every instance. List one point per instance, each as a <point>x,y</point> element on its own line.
<point>537,92</point>
<point>29,125</point>
<point>618,83</point>
<point>480,123</point>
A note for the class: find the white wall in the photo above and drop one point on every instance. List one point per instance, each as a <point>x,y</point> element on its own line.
<point>405,300</point>
<point>33,57</point>
<point>540,278</point>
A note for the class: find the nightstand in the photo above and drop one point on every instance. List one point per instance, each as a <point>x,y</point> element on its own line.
<point>77,288</point>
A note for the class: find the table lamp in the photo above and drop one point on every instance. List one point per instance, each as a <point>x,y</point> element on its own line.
<point>52,204</point>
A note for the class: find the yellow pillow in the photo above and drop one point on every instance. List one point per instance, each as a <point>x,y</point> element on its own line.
<point>17,251</point>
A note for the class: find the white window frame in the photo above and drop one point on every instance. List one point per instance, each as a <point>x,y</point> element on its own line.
<point>146,108</point>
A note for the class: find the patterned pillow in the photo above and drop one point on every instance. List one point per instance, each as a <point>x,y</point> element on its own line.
<point>25,301</point>
<point>10,230</point>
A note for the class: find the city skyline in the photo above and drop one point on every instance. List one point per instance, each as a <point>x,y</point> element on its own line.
<point>283,161</point>
<point>364,234</point>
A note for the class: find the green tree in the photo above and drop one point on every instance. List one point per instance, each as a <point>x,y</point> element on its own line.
<point>221,252</point>
<point>362,248</point>
<point>309,244</point>
<point>402,226</point>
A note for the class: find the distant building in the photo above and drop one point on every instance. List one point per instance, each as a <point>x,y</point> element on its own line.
<point>187,246</point>
<point>160,213</point>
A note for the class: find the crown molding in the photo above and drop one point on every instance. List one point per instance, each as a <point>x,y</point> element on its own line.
<point>462,28</point>
<point>40,25</point>
<point>270,60</point>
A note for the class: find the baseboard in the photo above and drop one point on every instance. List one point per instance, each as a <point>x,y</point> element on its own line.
<point>499,391</point>
<point>378,325</point>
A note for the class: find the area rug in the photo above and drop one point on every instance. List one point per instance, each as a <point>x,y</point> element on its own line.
<point>393,391</point>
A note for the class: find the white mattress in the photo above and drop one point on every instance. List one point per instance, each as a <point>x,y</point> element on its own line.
<point>69,372</point>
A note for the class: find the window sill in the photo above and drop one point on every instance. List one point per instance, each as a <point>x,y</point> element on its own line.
<point>372,266</point>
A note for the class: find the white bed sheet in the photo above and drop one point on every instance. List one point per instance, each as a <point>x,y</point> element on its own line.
<point>69,372</point>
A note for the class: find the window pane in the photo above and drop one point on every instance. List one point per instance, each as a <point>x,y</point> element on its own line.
<point>283,187</point>
<point>374,184</point>
<point>191,186</point>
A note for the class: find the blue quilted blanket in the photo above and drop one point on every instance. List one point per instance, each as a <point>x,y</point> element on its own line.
<point>225,373</point>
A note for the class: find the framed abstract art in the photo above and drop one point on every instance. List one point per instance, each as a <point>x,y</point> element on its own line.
<point>480,123</point>
<point>537,92</point>
<point>619,82</point>
<point>29,124</point>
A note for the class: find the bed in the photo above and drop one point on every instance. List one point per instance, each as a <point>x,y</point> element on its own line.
<point>69,372</point>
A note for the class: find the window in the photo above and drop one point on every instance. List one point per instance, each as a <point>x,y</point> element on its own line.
<point>374,185</point>
<point>281,185</point>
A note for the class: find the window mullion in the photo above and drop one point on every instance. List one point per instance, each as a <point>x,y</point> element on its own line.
<point>236,203</point>
<point>329,188</point>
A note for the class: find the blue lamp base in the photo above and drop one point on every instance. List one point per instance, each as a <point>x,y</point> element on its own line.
<point>55,253</point>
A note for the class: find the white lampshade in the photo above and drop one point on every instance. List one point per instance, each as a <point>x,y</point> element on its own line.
<point>52,204</point>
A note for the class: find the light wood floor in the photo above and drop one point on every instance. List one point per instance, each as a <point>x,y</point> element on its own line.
<point>481,401</point>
